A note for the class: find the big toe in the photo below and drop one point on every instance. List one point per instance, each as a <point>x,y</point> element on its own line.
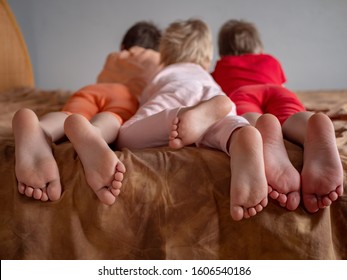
<point>293,201</point>
<point>310,202</point>
<point>237,212</point>
<point>176,143</point>
<point>106,196</point>
<point>54,190</point>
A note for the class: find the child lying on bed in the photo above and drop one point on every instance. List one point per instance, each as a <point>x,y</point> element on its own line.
<point>254,81</point>
<point>186,53</point>
<point>100,110</point>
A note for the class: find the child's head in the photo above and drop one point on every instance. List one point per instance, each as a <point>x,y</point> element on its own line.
<point>187,41</point>
<point>237,37</point>
<point>143,34</point>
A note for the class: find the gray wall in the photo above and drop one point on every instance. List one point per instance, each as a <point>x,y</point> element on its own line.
<point>68,40</point>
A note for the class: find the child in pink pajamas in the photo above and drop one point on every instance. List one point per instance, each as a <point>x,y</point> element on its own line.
<point>254,81</point>
<point>183,105</point>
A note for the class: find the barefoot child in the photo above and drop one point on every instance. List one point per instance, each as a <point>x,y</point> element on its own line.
<point>184,95</point>
<point>90,118</point>
<point>254,81</point>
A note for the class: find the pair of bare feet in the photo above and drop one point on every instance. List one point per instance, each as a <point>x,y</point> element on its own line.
<point>37,171</point>
<point>320,182</point>
<point>260,165</point>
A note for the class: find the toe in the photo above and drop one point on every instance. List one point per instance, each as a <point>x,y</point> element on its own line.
<point>326,201</point>
<point>252,212</point>
<point>173,134</point>
<point>21,188</point>
<point>116,184</point>
<point>293,200</point>
<point>259,208</point>
<point>106,196</point>
<point>282,198</point>
<point>37,194</point>
<point>53,190</point>
<point>29,191</point>
<point>236,212</point>
<point>264,202</point>
<point>120,167</point>
<point>311,203</point>
<point>274,194</point>
<point>115,192</point>
<point>119,176</point>
<point>333,196</point>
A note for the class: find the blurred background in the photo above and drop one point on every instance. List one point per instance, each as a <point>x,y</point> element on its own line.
<point>68,40</point>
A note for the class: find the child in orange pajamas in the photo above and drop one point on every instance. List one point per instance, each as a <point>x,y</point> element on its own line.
<point>254,81</point>
<point>100,109</point>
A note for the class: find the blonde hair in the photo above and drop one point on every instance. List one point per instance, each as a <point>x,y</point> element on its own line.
<point>187,41</point>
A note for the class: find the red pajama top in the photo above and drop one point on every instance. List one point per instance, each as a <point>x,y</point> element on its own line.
<point>254,82</point>
<point>232,72</point>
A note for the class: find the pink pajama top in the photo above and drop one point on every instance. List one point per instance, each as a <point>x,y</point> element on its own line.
<point>176,86</point>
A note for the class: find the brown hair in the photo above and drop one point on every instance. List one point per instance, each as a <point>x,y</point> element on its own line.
<point>187,41</point>
<point>238,37</point>
<point>143,34</point>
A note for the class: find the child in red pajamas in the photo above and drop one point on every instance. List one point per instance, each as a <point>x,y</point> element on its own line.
<point>252,79</point>
<point>254,82</point>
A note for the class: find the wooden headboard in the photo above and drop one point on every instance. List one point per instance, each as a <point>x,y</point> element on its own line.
<point>15,66</point>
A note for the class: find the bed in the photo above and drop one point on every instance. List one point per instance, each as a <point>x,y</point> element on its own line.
<point>174,203</point>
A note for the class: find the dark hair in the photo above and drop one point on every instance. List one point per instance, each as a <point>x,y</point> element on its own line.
<point>143,34</point>
<point>238,37</point>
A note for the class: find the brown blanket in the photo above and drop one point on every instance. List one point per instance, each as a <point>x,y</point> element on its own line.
<point>173,205</point>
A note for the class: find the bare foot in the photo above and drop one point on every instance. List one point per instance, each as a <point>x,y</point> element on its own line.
<point>282,177</point>
<point>248,188</point>
<point>192,122</point>
<point>103,170</point>
<point>36,169</point>
<point>322,174</point>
